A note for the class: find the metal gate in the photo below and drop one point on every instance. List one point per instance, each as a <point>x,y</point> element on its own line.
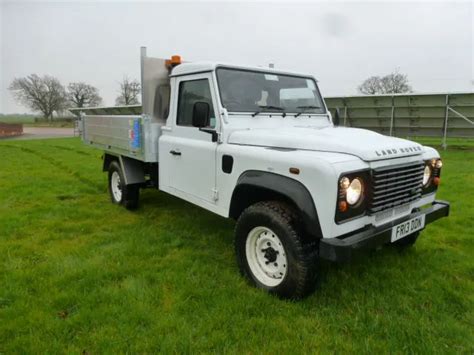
<point>409,115</point>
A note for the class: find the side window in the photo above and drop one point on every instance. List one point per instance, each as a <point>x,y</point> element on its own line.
<point>191,92</point>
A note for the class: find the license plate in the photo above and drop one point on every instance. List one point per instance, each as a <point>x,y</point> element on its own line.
<point>408,227</point>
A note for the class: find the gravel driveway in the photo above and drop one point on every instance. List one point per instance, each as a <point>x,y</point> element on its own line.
<point>44,132</point>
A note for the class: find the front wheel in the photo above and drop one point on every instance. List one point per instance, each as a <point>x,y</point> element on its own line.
<point>272,251</point>
<point>120,193</point>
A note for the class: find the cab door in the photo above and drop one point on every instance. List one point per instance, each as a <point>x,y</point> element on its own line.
<point>188,152</point>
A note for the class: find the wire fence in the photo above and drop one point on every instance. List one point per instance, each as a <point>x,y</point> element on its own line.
<point>409,115</point>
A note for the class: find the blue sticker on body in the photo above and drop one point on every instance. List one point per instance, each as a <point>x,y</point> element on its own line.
<point>135,133</point>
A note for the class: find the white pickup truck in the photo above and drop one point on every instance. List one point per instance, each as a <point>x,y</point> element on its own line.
<point>259,145</point>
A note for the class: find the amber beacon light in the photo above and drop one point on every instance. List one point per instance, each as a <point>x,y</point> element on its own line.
<point>173,61</point>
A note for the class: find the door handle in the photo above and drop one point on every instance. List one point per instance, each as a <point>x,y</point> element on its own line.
<point>174,152</point>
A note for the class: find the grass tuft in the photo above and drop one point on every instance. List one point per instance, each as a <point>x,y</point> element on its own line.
<point>80,275</point>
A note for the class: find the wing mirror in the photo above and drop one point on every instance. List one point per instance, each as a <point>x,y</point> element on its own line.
<point>201,111</point>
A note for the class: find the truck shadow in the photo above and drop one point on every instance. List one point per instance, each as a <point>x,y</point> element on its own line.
<point>196,220</point>
<point>378,271</point>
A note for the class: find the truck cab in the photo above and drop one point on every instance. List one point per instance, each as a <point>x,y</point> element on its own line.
<point>259,145</point>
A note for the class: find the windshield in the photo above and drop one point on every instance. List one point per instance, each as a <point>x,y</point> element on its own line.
<point>253,91</point>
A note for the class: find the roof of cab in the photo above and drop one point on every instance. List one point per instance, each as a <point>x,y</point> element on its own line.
<point>200,67</point>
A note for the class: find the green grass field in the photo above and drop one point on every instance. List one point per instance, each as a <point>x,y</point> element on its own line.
<point>80,275</point>
<point>17,118</point>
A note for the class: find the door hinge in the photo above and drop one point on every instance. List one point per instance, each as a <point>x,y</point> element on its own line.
<point>215,194</point>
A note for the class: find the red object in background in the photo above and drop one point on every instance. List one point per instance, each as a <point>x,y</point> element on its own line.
<point>10,130</point>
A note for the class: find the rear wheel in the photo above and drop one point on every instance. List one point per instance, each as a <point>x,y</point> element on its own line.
<point>120,193</point>
<point>272,251</point>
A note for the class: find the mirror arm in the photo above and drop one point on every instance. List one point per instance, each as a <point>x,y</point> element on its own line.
<point>211,131</point>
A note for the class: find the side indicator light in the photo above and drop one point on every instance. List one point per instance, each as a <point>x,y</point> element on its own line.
<point>295,171</point>
<point>342,206</point>
<point>436,181</point>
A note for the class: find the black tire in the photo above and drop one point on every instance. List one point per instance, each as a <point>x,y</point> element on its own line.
<point>130,193</point>
<point>301,253</point>
<point>407,241</point>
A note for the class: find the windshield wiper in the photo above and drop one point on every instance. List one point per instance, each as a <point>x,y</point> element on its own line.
<point>269,107</point>
<point>304,108</point>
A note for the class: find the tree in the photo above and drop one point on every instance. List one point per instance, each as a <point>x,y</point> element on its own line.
<point>83,95</point>
<point>371,86</point>
<point>129,92</point>
<point>393,83</point>
<point>44,94</point>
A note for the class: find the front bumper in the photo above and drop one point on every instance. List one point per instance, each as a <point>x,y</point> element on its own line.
<point>343,247</point>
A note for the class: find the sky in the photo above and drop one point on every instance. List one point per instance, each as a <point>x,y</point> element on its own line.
<point>340,43</point>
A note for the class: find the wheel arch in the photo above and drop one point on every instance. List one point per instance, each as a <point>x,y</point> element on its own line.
<point>254,186</point>
<point>107,159</point>
<point>133,170</point>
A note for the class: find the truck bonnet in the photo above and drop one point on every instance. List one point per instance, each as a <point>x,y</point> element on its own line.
<point>367,145</point>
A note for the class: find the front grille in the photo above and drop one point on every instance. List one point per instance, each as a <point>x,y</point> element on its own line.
<point>395,185</point>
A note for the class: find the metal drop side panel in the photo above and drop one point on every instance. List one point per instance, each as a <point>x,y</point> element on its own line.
<point>132,136</point>
<point>113,133</point>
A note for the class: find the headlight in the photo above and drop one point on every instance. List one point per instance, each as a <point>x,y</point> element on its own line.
<point>426,175</point>
<point>351,199</point>
<point>431,175</point>
<point>354,192</point>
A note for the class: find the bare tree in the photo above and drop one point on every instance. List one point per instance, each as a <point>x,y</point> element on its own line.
<point>371,86</point>
<point>44,94</point>
<point>393,83</point>
<point>83,95</point>
<point>129,92</point>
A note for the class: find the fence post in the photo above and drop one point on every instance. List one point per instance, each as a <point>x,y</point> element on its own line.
<point>445,133</point>
<point>392,116</point>
<point>345,114</point>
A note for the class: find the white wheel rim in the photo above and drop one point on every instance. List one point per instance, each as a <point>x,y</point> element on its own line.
<point>266,256</point>
<point>116,186</point>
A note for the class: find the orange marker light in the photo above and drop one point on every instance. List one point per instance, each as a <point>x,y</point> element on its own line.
<point>295,171</point>
<point>342,206</point>
<point>174,61</point>
<point>436,181</point>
